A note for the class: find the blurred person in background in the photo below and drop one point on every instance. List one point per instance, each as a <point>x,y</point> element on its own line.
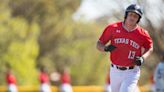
<point>44,81</point>
<point>11,80</point>
<point>159,76</point>
<point>65,81</point>
<point>55,78</point>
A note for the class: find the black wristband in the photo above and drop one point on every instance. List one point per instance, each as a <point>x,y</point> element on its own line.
<point>109,48</point>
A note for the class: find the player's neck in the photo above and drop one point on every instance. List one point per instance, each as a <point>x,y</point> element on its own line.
<point>129,27</point>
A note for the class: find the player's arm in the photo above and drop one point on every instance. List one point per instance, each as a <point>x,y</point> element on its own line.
<point>147,52</point>
<point>148,46</point>
<point>104,39</point>
<point>103,48</point>
<point>100,46</point>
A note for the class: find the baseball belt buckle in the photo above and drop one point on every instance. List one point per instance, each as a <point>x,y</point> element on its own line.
<point>122,68</point>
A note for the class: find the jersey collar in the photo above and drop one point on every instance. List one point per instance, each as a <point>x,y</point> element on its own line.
<point>127,29</point>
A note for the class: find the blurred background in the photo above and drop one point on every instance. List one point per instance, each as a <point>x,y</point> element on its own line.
<point>59,34</point>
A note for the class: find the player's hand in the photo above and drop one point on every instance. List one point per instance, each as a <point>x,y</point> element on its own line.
<point>138,60</point>
<point>109,48</point>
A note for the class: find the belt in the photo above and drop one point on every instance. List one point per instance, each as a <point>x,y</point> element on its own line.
<point>122,68</point>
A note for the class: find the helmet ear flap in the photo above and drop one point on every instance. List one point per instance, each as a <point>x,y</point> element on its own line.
<point>139,19</point>
<point>126,14</point>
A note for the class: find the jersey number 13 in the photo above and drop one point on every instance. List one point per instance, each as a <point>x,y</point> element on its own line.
<point>131,54</point>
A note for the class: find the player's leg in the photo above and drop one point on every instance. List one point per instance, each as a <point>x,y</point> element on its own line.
<point>12,88</point>
<point>115,79</point>
<point>137,89</point>
<point>66,88</point>
<point>131,80</point>
<point>107,88</point>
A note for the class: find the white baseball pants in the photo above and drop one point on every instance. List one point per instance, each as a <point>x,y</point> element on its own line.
<point>124,80</point>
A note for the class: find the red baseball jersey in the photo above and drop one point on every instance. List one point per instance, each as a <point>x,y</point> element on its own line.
<point>44,77</point>
<point>10,78</point>
<point>128,44</point>
<point>65,78</point>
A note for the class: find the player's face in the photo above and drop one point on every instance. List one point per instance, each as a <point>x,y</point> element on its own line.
<point>132,18</point>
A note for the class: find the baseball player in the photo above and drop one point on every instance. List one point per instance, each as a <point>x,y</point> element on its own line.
<point>128,44</point>
<point>44,80</point>
<point>65,81</point>
<point>11,80</point>
<point>159,76</point>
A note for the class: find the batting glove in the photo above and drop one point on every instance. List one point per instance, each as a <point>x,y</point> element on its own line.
<point>109,48</point>
<point>139,61</point>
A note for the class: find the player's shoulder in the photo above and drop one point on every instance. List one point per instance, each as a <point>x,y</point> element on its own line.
<point>115,24</point>
<point>143,31</point>
<point>112,26</point>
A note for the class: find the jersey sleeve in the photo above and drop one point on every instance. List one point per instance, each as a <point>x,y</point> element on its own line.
<point>148,43</point>
<point>106,35</point>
